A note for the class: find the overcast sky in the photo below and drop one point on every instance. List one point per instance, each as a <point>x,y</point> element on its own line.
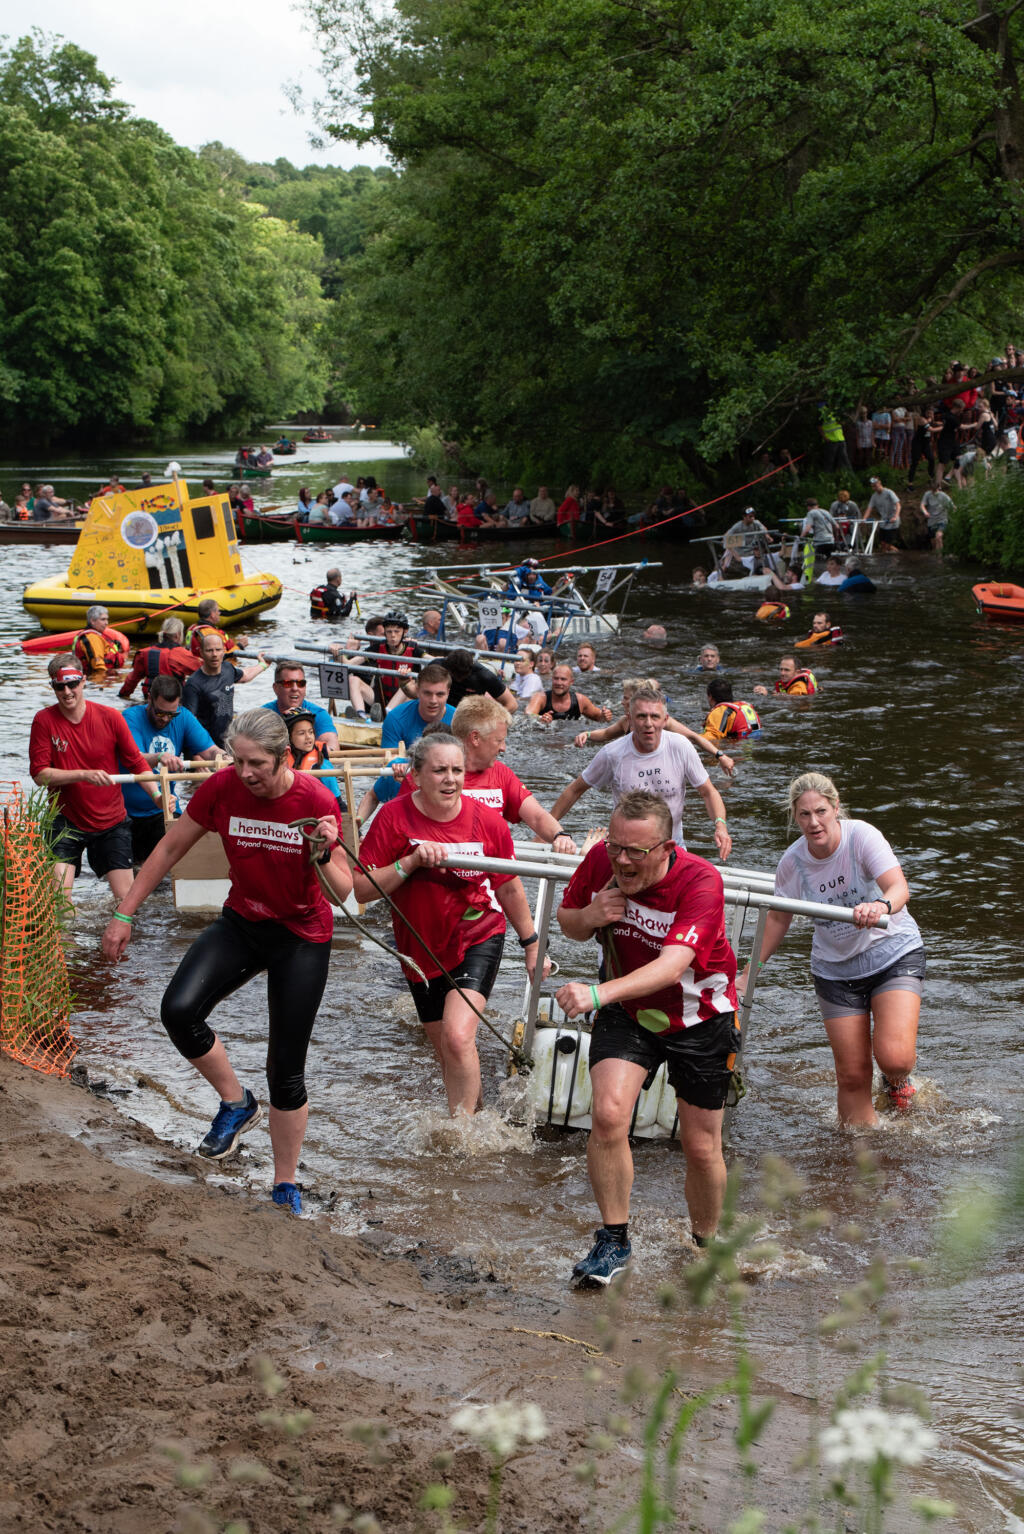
<point>202,69</point>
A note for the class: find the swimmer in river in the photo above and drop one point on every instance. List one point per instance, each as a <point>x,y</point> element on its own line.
<point>823,632</point>
<point>669,996</point>
<point>797,683</point>
<point>861,972</point>
<point>655,634</point>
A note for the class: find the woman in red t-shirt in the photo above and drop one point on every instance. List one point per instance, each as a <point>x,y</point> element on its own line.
<point>276,918</point>
<point>568,514</point>
<point>459,913</point>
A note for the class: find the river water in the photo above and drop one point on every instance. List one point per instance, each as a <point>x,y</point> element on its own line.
<point>917,719</point>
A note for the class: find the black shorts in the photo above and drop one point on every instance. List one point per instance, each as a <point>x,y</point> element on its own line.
<point>147,830</point>
<point>105,850</point>
<point>477,970</point>
<point>700,1059</point>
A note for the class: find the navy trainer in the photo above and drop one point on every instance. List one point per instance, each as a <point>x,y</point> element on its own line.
<point>288,1196</point>
<point>606,1259</point>
<point>232,1120</point>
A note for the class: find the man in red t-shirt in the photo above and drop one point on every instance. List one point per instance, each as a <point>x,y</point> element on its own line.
<point>667,994</point>
<point>74,744</point>
<point>481,724</point>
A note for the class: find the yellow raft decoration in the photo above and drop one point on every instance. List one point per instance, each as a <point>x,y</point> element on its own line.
<point>145,554</point>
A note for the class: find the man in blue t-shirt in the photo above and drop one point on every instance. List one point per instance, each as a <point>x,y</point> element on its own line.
<point>405,724</point>
<point>289,693</point>
<point>166,735</point>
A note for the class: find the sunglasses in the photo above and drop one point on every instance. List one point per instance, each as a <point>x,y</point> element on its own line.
<point>291,684</point>
<point>60,686</point>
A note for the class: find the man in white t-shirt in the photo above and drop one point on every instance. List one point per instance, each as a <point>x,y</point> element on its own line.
<point>649,759</point>
<point>343,487</point>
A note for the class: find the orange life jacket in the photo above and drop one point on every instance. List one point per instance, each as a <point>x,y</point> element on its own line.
<point>308,761</point>
<point>834,635</point>
<point>194,637</point>
<point>98,651</point>
<point>735,719</point>
<point>802,684</point>
<point>772,612</point>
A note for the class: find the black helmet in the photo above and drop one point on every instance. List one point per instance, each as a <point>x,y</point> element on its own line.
<point>296,715</point>
<point>400,620</point>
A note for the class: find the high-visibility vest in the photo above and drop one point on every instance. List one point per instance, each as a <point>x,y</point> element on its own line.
<point>731,719</point>
<point>802,683</point>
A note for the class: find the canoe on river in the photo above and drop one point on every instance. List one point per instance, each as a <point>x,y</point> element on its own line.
<point>320,533</point>
<point>40,532</point>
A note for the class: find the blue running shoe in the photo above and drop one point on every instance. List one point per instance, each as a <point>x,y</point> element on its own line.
<point>288,1196</point>
<point>233,1119</point>
<point>606,1259</point>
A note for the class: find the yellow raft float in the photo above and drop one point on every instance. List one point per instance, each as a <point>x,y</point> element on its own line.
<point>146,554</point>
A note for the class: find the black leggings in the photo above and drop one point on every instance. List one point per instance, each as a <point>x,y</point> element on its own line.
<point>917,453</point>
<point>224,957</point>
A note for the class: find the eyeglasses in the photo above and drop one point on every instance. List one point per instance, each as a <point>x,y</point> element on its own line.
<point>634,854</point>
<point>60,686</point>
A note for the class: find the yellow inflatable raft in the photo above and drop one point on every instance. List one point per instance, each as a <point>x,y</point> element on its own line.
<point>146,554</point>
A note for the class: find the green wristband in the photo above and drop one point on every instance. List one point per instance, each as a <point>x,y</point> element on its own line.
<point>120,916</point>
<point>400,869</point>
<point>719,820</point>
<point>594,997</point>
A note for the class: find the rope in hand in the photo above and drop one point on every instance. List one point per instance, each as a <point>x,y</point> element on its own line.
<point>317,845</point>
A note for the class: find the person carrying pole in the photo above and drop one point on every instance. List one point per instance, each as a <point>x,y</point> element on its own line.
<point>666,995</point>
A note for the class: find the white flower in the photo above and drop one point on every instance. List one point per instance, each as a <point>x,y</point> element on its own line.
<point>863,1436</point>
<point>503,1427</point>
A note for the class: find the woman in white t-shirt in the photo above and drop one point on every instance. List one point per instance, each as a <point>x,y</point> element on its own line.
<point>861,971</point>
<point>526,682</point>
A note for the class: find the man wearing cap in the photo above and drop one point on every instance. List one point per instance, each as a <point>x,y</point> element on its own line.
<point>74,750</point>
<point>528,580</point>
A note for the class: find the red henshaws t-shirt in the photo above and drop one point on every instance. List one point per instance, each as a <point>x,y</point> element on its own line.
<point>272,878</point>
<point>686,907</point>
<point>453,908</point>
<point>96,741</point>
<point>497,787</point>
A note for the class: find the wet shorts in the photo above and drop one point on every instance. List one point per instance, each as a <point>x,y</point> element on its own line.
<point>105,850</point>
<point>700,1059</point>
<point>477,971</point>
<point>849,998</point>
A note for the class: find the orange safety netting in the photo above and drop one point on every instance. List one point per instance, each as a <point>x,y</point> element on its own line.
<point>35,998</point>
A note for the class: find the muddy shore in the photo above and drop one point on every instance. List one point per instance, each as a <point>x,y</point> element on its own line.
<point>145,1298</point>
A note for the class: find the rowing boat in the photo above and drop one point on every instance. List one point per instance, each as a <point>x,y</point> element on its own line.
<point>321,532</point>
<point>33,533</point>
<point>425,529</point>
<point>266,526</point>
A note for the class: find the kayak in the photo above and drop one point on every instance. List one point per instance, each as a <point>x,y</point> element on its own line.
<point>46,644</point>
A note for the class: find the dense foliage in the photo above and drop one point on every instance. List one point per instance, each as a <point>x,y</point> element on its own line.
<point>138,291</point>
<point>987,523</point>
<point>628,235</point>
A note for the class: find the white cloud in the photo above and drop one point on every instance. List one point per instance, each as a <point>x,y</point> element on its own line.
<point>204,69</point>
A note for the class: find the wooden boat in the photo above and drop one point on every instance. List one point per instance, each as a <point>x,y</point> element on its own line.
<point>317,434</point>
<point>321,532</point>
<point>33,533</point>
<point>250,471</point>
<point>266,527</point>
<point>999,602</point>
<point>283,448</point>
<point>145,553</point>
<point>424,529</point>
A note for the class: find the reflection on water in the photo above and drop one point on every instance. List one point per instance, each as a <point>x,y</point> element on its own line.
<point>917,719</point>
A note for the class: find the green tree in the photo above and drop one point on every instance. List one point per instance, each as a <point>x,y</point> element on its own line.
<point>641,234</point>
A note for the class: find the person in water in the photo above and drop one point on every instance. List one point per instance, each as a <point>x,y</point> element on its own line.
<point>823,632</point>
<point>276,920</point>
<point>863,973</point>
<point>666,995</point>
<point>621,727</point>
<point>561,701</point>
<point>459,914</point>
<point>792,681</point>
<point>729,718</point>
